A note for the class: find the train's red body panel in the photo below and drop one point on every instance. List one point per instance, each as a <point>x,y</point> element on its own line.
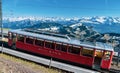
<point>73,56</point>
<point>57,54</point>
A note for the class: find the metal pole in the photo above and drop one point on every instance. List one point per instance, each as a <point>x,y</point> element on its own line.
<point>1,23</point>
<point>50,62</point>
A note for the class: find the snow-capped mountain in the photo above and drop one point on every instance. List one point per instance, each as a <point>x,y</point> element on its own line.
<point>94,20</point>
<point>100,20</point>
<point>101,24</point>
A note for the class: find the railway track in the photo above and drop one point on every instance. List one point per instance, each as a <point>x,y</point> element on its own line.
<point>47,62</point>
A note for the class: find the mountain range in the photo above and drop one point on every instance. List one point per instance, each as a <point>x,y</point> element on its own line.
<point>98,24</point>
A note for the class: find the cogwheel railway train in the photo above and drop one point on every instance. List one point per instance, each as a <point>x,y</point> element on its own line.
<point>62,47</point>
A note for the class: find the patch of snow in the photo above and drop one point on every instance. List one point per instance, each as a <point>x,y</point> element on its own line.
<point>54,28</point>
<point>88,21</point>
<point>101,19</point>
<point>76,25</point>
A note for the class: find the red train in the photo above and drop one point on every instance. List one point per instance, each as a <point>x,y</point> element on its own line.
<point>62,47</point>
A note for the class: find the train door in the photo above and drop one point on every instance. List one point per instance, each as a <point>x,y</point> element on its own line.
<point>9,38</point>
<point>107,59</point>
<point>97,59</point>
<point>12,39</point>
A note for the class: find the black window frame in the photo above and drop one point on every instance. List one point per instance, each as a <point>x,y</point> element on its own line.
<point>58,46</point>
<point>39,42</point>
<point>29,40</point>
<point>49,44</point>
<point>61,47</point>
<point>90,54</point>
<point>22,37</point>
<point>107,55</point>
<point>73,49</point>
<point>13,35</point>
<point>64,47</point>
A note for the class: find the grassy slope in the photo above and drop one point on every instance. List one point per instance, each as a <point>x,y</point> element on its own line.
<point>31,64</point>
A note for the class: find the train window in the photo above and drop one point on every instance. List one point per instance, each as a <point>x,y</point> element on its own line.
<point>64,47</point>
<point>58,46</point>
<point>61,47</point>
<point>87,52</point>
<point>99,53</point>
<point>74,49</point>
<point>13,35</point>
<point>29,40</point>
<point>39,42</point>
<point>107,55</point>
<point>52,45</point>
<point>20,38</point>
<point>49,44</point>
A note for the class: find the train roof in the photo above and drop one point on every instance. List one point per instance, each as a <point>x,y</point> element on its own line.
<point>62,38</point>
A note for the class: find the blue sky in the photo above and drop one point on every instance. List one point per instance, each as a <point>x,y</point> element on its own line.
<point>61,8</point>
